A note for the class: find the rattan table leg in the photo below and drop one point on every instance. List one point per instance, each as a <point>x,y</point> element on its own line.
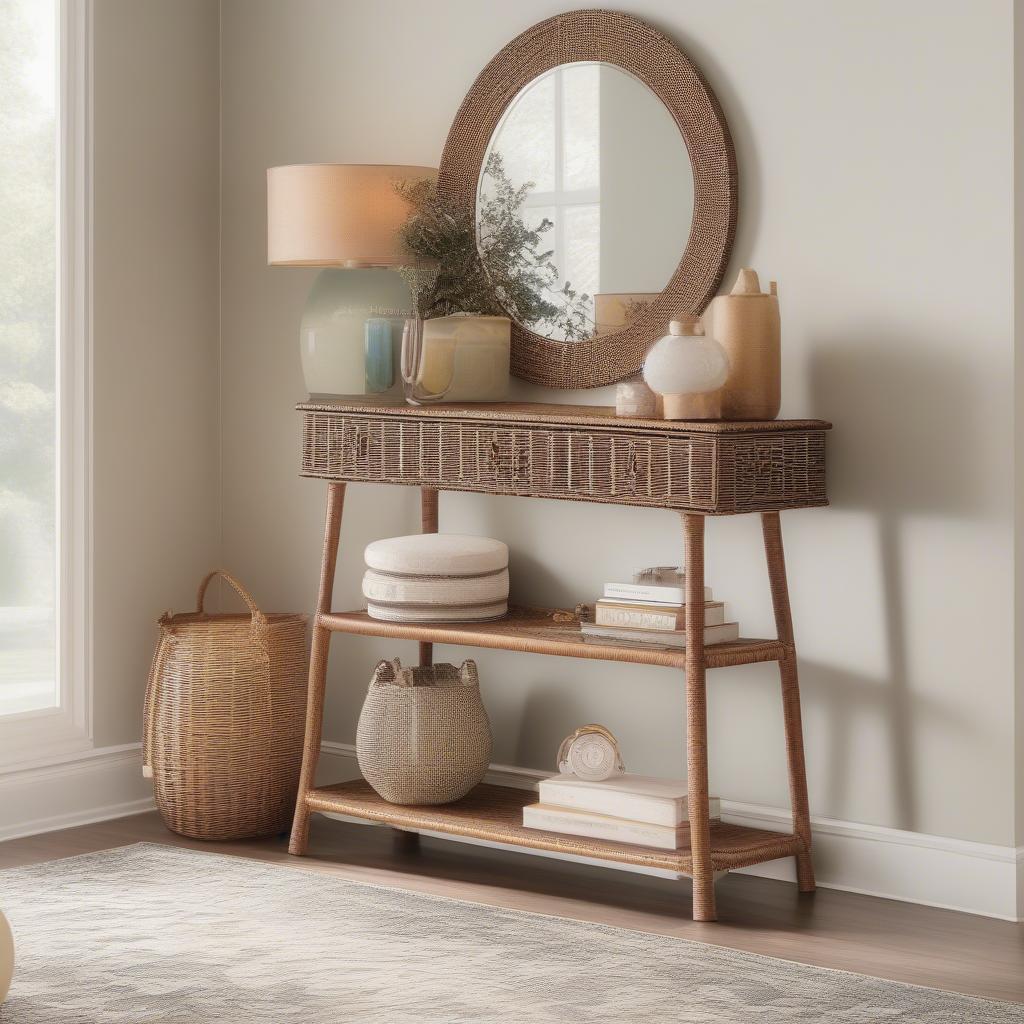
<point>318,669</point>
<point>428,510</point>
<point>428,519</point>
<point>771,527</point>
<point>697,723</point>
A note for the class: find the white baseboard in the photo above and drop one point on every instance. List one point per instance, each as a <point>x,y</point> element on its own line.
<point>79,789</point>
<point>936,871</point>
<point>1020,884</point>
<point>977,878</point>
<point>955,874</point>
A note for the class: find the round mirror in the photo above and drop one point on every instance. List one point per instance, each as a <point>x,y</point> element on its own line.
<point>585,201</point>
<point>595,167</point>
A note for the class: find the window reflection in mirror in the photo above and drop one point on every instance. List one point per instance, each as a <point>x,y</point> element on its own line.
<point>584,202</point>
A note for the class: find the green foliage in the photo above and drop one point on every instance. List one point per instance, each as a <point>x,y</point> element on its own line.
<point>496,268</point>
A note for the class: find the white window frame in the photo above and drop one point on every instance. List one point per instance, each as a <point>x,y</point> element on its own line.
<point>561,198</point>
<point>51,734</point>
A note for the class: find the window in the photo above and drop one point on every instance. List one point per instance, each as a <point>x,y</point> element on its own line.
<point>551,136</point>
<point>28,356</point>
<point>43,378</point>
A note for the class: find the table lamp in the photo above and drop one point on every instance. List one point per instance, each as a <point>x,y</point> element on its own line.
<point>346,218</point>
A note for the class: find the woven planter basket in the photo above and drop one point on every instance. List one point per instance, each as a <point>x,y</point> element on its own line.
<point>224,719</point>
<point>423,735</point>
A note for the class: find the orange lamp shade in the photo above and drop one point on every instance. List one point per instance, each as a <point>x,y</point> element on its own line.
<point>338,215</point>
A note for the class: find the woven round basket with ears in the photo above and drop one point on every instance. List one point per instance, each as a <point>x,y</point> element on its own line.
<point>224,719</point>
<point>423,735</point>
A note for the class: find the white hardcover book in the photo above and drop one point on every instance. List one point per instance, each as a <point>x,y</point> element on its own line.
<point>673,638</point>
<point>642,798</point>
<point>602,826</point>
<point>649,592</point>
<point>641,615</point>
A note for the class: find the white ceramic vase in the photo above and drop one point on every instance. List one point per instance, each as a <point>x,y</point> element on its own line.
<point>688,370</point>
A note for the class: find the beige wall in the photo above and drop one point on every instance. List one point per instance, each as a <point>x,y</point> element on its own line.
<point>876,187</point>
<point>155,334</point>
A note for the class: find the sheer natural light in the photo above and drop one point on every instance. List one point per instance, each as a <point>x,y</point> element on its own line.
<point>551,137</point>
<point>28,355</point>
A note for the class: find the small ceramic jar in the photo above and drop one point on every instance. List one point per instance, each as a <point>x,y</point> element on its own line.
<point>688,370</point>
<point>634,398</point>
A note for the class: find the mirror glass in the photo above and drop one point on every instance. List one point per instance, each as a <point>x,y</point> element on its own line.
<point>585,201</point>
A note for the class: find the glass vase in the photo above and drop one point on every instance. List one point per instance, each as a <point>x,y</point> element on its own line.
<point>458,358</point>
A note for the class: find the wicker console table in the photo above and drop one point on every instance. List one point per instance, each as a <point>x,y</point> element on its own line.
<point>576,453</point>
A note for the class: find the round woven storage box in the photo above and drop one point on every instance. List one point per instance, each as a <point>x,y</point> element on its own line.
<point>432,591</point>
<point>224,720</point>
<point>423,734</point>
<point>436,577</point>
<point>438,613</point>
<point>437,554</point>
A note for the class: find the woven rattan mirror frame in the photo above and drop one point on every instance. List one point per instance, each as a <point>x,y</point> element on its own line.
<point>631,44</point>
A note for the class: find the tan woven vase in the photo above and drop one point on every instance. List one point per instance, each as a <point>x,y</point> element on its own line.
<point>224,719</point>
<point>423,735</point>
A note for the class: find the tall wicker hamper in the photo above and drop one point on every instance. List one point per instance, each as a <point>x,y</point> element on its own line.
<point>224,719</point>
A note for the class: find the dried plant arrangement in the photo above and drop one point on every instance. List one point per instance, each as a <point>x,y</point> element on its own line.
<point>495,268</point>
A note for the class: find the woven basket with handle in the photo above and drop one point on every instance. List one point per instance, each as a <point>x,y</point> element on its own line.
<point>224,719</point>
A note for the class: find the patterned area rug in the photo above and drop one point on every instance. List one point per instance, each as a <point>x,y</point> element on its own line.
<point>149,933</point>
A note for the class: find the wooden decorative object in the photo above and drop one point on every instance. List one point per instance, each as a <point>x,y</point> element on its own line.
<point>224,719</point>
<point>706,406</point>
<point>746,324</point>
<point>628,43</point>
<point>578,453</point>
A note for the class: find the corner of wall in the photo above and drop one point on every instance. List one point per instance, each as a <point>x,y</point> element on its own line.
<point>1017,319</point>
<point>155,336</point>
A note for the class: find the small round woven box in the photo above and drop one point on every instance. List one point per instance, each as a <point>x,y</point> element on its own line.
<point>440,577</point>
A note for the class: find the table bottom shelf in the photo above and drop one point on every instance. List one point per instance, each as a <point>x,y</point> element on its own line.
<point>494,814</point>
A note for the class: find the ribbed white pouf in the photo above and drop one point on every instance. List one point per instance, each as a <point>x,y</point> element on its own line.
<point>431,592</point>
<point>438,613</point>
<point>436,577</point>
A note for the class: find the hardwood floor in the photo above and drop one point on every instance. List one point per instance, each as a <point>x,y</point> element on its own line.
<point>920,945</point>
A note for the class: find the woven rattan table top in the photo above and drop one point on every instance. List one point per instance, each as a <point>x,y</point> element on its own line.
<point>542,412</point>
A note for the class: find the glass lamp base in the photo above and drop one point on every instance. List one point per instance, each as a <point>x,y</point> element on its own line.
<point>351,333</point>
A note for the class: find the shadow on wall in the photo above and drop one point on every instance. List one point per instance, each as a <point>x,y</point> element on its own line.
<point>890,457</point>
<point>539,578</point>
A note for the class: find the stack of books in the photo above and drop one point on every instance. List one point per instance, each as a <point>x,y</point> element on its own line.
<point>652,610</point>
<point>637,809</point>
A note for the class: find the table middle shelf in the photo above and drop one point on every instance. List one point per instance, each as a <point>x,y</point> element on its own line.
<point>548,631</point>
